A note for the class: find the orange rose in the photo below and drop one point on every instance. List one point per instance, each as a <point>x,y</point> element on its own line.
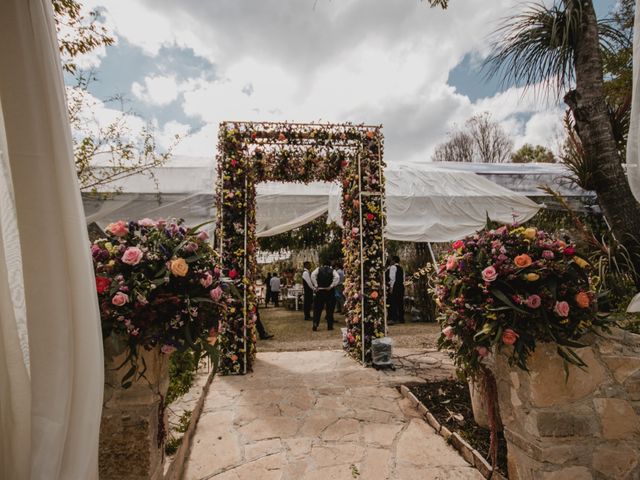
<point>179,267</point>
<point>583,300</point>
<point>374,295</point>
<point>523,261</point>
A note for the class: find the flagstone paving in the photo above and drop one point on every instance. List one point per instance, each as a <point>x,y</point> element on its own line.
<point>318,415</point>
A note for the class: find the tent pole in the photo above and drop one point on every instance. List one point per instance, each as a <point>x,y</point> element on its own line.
<point>362,342</point>
<point>433,257</point>
<point>246,284</point>
<point>382,236</point>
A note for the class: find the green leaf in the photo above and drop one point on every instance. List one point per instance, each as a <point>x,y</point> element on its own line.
<point>504,299</point>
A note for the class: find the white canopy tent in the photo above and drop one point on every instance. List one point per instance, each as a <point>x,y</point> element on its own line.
<point>425,202</point>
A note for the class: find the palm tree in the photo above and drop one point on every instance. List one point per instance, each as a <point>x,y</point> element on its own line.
<point>559,49</point>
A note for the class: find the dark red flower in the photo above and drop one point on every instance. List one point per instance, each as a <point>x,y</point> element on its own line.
<point>569,251</point>
<point>102,284</point>
<point>370,216</point>
<point>233,273</point>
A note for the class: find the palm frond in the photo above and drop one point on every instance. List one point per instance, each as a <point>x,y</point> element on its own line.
<point>536,48</point>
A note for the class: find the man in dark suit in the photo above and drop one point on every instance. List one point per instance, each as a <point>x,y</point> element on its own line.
<point>324,280</point>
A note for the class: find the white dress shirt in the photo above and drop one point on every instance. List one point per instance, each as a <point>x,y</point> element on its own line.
<point>392,275</point>
<point>275,284</point>
<point>306,277</point>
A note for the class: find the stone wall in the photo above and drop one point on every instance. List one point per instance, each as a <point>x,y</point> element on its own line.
<point>131,418</point>
<point>587,428</point>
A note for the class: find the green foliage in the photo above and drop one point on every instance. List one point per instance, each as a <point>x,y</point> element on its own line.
<point>182,373</point>
<point>533,154</point>
<point>537,47</point>
<point>172,445</point>
<point>309,236</point>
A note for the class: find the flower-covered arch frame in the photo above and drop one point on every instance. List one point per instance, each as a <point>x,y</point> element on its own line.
<point>254,152</point>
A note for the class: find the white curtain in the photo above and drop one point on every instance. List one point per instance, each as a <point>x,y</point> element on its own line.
<point>50,420</point>
<point>633,140</point>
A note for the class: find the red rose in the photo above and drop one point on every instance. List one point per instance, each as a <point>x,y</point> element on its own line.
<point>569,251</point>
<point>102,284</point>
<point>370,216</point>
<point>233,273</point>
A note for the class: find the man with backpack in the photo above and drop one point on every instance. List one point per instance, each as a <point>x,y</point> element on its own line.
<point>324,280</point>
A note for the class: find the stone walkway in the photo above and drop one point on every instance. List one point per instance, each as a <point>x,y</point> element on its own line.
<point>317,415</point>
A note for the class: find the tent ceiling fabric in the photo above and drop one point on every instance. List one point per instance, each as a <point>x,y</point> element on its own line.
<point>425,202</point>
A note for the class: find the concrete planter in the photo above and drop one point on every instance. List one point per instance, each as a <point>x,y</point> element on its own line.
<point>587,427</point>
<point>133,420</point>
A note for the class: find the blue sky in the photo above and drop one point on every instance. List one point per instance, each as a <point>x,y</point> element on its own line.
<point>185,66</point>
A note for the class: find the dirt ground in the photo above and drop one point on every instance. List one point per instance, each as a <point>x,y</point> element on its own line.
<point>292,333</point>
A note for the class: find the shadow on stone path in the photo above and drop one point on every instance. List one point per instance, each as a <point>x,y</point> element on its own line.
<point>319,415</point>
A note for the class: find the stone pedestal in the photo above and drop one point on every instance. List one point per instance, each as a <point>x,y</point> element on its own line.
<point>587,427</point>
<point>131,441</point>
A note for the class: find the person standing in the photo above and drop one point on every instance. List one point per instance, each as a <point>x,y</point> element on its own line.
<point>340,289</point>
<point>275,289</point>
<point>267,295</point>
<point>395,280</point>
<point>324,280</point>
<point>308,290</point>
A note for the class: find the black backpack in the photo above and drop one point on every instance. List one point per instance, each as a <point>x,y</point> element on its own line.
<point>325,277</point>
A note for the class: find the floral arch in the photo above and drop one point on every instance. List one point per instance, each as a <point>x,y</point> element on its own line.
<point>250,153</point>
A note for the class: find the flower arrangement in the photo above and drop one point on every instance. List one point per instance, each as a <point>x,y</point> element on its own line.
<point>513,287</point>
<point>249,153</point>
<point>158,285</point>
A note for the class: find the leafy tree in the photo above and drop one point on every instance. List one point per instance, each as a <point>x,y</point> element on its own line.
<point>481,140</point>
<point>533,154</point>
<point>559,49</point>
<point>103,153</point>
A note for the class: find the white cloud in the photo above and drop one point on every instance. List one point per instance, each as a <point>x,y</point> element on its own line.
<point>307,60</point>
<point>158,90</point>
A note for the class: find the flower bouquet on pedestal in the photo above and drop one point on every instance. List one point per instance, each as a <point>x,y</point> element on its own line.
<point>508,289</point>
<point>158,286</point>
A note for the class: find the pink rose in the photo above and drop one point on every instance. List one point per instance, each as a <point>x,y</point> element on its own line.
<point>119,228</point>
<point>119,299</point>
<point>146,222</point>
<point>562,309</point>
<point>452,262</point>
<point>207,280</point>
<point>216,293</point>
<point>489,274</point>
<point>216,272</point>
<point>509,337</point>
<point>458,244</point>
<point>483,352</point>
<point>132,256</point>
<point>448,332</point>
<point>191,247</point>
<point>203,236</point>
<point>168,349</point>
<point>534,301</point>
<point>160,223</point>
<point>502,230</point>
<point>548,255</point>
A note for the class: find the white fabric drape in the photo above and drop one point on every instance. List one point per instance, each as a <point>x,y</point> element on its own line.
<point>437,205</point>
<point>65,345</point>
<point>284,206</point>
<point>633,140</point>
